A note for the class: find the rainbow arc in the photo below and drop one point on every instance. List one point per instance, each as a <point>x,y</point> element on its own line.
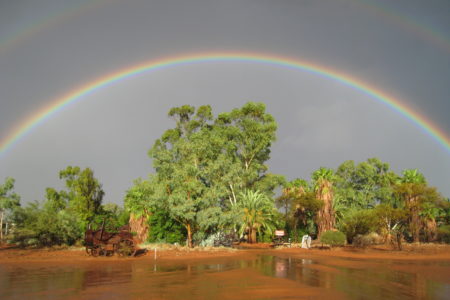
<point>60,103</point>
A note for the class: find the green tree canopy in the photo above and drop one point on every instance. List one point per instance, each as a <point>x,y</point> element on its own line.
<point>84,192</point>
<point>8,201</point>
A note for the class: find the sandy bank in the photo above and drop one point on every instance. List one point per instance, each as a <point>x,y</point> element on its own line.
<point>411,252</point>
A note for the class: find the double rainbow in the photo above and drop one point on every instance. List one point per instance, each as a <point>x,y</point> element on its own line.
<point>57,105</point>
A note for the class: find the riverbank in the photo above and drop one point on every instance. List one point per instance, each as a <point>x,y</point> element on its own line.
<point>69,255</point>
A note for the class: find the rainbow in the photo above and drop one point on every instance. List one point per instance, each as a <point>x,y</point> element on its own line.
<point>15,38</point>
<point>424,31</point>
<point>60,103</point>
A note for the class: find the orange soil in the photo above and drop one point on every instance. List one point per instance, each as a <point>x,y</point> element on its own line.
<point>425,252</point>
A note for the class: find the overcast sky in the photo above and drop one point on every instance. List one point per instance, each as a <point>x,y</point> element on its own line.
<point>51,47</point>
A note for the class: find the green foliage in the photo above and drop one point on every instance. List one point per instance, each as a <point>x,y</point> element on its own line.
<point>444,234</point>
<point>112,216</point>
<point>363,186</point>
<point>138,199</point>
<point>163,229</point>
<point>84,193</point>
<point>359,222</point>
<point>333,238</point>
<point>9,201</point>
<point>63,217</point>
<point>257,212</point>
<point>420,201</point>
<point>40,225</point>
<point>203,164</point>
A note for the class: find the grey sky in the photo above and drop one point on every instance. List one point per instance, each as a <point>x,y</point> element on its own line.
<point>321,122</point>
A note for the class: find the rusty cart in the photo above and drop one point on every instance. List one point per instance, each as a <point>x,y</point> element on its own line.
<point>103,243</point>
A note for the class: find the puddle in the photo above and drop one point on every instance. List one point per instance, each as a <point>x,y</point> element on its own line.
<point>256,276</point>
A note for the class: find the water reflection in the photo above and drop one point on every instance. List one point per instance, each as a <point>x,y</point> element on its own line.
<point>268,276</point>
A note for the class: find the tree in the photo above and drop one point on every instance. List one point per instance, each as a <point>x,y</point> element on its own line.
<point>390,220</point>
<point>364,185</point>
<point>248,133</point>
<point>40,224</point>
<point>257,212</point>
<point>141,203</point>
<point>8,201</point>
<point>291,191</point>
<point>304,211</point>
<point>323,186</point>
<point>300,205</point>
<point>203,164</point>
<point>84,193</point>
<point>416,195</point>
<point>181,159</point>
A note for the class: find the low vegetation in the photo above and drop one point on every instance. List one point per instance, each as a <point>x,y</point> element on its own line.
<point>333,238</point>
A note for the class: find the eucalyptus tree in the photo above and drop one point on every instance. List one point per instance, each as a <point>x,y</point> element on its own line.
<point>364,185</point>
<point>204,163</point>
<point>249,132</point>
<point>84,193</point>
<point>8,201</point>
<point>181,158</point>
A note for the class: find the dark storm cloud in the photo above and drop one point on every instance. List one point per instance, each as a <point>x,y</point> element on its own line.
<point>322,123</point>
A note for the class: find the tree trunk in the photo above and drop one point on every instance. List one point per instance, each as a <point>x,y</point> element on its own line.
<point>1,227</point>
<point>189,232</point>
<point>325,217</point>
<point>430,229</point>
<point>140,226</point>
<point>414,224</point>
<point>253,236</point>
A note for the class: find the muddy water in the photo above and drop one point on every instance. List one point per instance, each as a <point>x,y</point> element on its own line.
<point>253,275</point>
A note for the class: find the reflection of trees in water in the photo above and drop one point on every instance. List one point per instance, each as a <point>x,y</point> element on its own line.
<point>380,282</point>
<point>52,282</point>
<point>107,274</point>
<point>357,279</point>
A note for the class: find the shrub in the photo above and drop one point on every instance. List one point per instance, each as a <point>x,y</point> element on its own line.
<point>444,234</point>
<point>358,222</point>
<point>333,238</point>
<point>365,240</point>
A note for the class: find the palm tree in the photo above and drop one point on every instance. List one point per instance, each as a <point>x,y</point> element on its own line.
<point>257,212</point>
<point>136,203</point>
<point>409,184</point>
<point>419,201</point>
<point>323,187</point>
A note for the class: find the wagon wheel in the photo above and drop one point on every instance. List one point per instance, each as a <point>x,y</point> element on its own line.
<point>95,252</point>
<point>126,248</point>
<point>88,250</point>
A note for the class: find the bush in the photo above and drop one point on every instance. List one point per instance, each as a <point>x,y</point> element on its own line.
<point>359,222</point>
<point>444,234</point>
<point>333,238</point>
<point>365,240</point>
<point>40,227</point>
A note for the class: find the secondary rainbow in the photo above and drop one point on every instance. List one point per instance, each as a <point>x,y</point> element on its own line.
<point>60,103</point>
